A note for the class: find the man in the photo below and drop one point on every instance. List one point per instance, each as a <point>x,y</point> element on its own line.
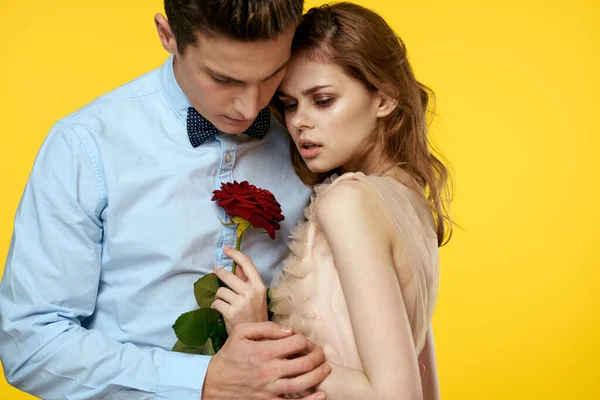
<point>116,221</point>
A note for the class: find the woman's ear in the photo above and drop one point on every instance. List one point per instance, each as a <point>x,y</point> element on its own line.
<point>386,105</point>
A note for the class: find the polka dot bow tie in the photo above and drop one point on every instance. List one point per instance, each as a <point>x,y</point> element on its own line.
<point>200,130</point>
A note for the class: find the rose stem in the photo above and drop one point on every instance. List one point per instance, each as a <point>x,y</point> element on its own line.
<point>237,247</point>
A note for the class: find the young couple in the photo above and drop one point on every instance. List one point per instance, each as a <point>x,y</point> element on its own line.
<point>116,221</point>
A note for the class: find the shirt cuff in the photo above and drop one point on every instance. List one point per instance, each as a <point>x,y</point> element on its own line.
<point>182,376</point>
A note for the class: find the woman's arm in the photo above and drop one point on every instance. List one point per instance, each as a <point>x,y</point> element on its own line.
<point>360,234</point>
<point>431,386</point>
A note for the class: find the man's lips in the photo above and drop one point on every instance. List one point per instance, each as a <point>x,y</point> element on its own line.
<point>237,121</point>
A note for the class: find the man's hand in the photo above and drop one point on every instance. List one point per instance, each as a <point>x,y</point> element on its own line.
<point>254,364</point>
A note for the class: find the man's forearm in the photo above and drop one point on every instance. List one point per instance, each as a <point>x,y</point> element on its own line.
<point>78,364</point>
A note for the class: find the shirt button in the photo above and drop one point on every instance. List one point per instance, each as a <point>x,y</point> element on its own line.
<point>228,157</point>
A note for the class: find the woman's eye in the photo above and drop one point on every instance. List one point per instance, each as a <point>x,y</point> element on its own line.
<point>323,102</point>
<point>290,106</point>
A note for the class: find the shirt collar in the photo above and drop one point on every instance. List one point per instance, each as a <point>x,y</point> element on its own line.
<point>173,93</point>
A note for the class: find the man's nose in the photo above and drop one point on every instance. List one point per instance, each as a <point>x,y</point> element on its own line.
<point>249,103</point>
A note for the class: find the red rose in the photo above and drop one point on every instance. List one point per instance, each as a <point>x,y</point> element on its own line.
<point>257,206</point>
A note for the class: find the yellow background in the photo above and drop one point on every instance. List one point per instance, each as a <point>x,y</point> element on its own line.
<point>518,86</point>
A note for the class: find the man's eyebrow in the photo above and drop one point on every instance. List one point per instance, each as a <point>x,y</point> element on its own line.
<point>305,92</point>
<point>278,70</point>
<point>234,80</point>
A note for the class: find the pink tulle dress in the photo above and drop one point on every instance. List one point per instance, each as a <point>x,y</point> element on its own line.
<point>307,294</point>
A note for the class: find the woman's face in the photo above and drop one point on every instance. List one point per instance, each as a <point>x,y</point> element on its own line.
<point>328,113</point>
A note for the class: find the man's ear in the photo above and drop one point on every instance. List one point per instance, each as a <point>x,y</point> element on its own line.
<point>167,39</point>
<point>386,105</point>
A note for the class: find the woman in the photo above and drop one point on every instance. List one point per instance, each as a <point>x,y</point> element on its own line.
<point>362,276</point>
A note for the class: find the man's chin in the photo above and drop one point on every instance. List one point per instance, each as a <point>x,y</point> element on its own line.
<point>232,127</point>
<point>232,131</point>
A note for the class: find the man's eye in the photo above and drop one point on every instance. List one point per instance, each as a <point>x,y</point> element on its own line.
<point>222,81</point>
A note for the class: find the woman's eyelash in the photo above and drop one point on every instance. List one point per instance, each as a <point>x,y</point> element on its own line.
<point>323,102</point>
<point>289,106</point>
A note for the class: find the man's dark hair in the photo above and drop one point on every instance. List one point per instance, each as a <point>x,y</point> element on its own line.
<point>243,20</point>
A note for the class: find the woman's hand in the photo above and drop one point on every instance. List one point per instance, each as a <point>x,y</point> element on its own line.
<point>246,298</point>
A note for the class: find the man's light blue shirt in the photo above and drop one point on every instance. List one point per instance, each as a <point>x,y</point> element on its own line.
<point>114,227</point>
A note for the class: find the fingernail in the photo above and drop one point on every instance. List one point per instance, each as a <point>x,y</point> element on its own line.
<point>286,329</point>
<point>226,248</point>
<point>327,369</point>
<point>321,396</point>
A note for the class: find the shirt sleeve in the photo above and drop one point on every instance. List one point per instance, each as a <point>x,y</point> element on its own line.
<point>50,285</point>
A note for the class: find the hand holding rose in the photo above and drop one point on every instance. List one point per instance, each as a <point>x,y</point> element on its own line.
<point>245,298</point>
<point>227,299</point>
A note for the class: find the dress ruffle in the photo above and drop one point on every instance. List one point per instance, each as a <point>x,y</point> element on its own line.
<point>307,294</point>
<point>293,290</point>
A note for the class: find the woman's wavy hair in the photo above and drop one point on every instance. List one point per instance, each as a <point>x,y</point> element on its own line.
<point>365,46</point>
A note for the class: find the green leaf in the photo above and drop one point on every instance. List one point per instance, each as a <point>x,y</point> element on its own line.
<point>219,334</point>
<point>180,347</point>
<point>207,349</point>
<point>194,327</point>
<point>270,313</point>
<point>218,341</point>
<point>205,290</point>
